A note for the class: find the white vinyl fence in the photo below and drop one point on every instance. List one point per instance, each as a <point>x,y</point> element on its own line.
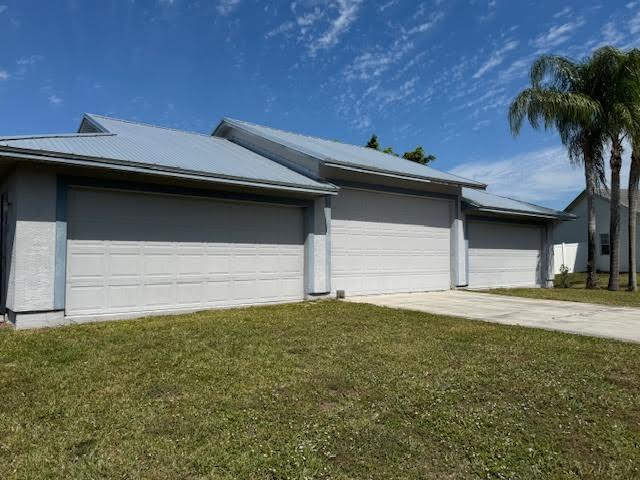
<point>573,255</point>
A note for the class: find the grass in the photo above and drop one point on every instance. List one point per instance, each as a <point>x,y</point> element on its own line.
<point>316,390</point>
<point>577,292</point>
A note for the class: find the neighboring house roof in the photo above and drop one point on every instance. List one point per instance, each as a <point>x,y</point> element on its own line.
<point>119,143</point>
<point>483,201</point>
<point>344,155</point>
<point>602,193</point>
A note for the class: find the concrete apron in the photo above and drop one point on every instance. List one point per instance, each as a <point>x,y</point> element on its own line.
<point>620,323</point>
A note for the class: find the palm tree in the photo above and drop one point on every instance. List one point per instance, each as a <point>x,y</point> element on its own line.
<point>633,90</point>
<point>560,97</point>
<point>610,77</point>
<point>634,179</point>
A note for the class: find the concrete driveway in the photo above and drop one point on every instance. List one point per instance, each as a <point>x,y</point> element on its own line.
<point>581,318</point>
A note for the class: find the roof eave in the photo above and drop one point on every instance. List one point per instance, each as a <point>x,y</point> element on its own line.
<point>389,173</point>
<point>521,213</point>
<point>121,165</point>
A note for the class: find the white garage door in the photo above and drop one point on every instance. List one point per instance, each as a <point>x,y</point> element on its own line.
<point>384,243</point>
<point>503,255</point>
<point>134,252</point>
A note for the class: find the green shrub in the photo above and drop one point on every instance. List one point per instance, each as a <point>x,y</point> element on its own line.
<point>564,279</point>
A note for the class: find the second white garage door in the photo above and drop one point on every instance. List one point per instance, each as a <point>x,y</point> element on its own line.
<point>134,253</point>
<point>386,243</point>
<point>503,254</point>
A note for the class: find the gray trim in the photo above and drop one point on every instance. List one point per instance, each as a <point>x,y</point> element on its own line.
<point>388,189</point>
<point>309,249</point>
<point>60,272</point>
<point>389,173</point>
<point>471,209</point>
<point>512,221</point>
<point>508,217</point>
<point>327,242</point>
<point>186,192</point>
<point>125,166</point>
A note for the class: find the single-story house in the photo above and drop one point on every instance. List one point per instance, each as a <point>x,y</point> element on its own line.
<point>123,219</point>
<point>574,234</point>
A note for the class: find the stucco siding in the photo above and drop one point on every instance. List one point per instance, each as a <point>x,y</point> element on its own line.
<point>33,257</point>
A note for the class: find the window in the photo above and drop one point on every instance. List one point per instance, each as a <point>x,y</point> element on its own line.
<point>604,244</point>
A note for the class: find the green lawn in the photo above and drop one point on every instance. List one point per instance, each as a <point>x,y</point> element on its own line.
<point>577,292</point>
<point>316,390</point>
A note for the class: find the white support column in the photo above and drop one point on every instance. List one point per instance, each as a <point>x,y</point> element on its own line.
<point>318,247</point>
<point>458,247</point>
<point>548,256</point>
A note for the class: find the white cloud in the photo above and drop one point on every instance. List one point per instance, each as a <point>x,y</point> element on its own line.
<point>4,75</point>
<point>226,7</point>
<point>496,58</point>
<point>556,35</point>
<point>389,4</point>
<point>30,60</point>
<point>426,26</point>
<point>167,3</point>
<point>3,8</point>
<point>55,100</point>
<point>373,64</point>
<point>563,13</point>
<point>347,15</point>
<point>634,24</point>
<point>543,176</point>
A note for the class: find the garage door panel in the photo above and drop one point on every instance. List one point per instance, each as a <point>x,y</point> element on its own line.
<point>504,255</point>
<point>155,252</point>
<point>384,243</point>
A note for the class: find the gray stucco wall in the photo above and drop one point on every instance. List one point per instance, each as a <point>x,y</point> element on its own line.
<point>34,202</point>
<point>576,232</point>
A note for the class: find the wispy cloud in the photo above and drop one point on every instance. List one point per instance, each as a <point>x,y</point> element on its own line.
<point>30,60</point>
<point>542,176</point>
<point>4,75</point>
<point>556,35</point>
<point>433,20</point>
<point>496,58</point>
<point>563,13</point>
<point>492,6</point>
<point>3,8</point>
<point>226,7</point>
<point>167,3</point>
<point>347,14</point>
<point>372,64</point>
<point>634,24</point>
<point>55,100</point>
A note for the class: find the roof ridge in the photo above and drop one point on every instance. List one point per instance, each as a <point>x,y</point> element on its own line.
<point>323,139</point>
<point>144,124</point>
<point>56,135</point>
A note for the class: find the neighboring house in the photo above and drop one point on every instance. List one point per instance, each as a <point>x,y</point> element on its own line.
<point>124,219</point>
<point>575,233</point>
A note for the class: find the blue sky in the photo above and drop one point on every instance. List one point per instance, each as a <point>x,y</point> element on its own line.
<point>438,73</point>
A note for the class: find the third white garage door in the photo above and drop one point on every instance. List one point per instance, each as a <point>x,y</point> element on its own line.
<point>131,253</point>
<point>385,243</point>
<point>503,254</point>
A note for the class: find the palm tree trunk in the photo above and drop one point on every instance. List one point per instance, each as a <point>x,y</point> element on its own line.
<point>590,178</point>
<point>614,226</point>
<point>634,179</point>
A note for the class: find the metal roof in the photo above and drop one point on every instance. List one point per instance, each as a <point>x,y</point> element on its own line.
<point>482,200</point>
<point>158,148</point>
<point>343,154</point>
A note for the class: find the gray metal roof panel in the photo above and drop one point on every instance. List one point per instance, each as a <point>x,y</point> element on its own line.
<point>351,155</point>
<point>484,200</point>
<point>166,148</point>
